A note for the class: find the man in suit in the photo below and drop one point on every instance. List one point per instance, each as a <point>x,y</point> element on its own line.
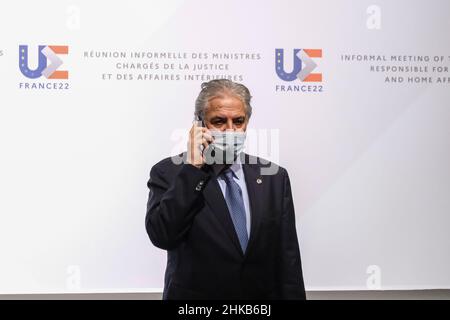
<point>228,228</point>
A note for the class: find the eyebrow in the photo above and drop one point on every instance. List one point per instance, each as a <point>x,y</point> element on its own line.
<point>224,117</point>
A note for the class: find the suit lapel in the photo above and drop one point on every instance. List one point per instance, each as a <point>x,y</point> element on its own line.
<point>254,189</point>
<point>214,197</point>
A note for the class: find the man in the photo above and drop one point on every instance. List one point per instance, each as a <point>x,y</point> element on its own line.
<point>229,230</point>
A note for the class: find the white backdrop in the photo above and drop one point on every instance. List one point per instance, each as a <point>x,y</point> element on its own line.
<point>368,157</point>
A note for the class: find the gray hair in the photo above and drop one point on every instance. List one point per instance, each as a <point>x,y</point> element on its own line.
<point>218,87</point>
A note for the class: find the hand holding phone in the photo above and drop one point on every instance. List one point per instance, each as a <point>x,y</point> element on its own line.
<point>199,139</point>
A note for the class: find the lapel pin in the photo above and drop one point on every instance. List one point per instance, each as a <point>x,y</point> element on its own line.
<point>258,181</point>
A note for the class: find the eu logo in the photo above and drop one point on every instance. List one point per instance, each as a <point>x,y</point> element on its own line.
<point>303,65</point>
<point>45,54</point>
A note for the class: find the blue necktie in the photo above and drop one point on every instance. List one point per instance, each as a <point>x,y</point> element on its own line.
<point>235,202</point>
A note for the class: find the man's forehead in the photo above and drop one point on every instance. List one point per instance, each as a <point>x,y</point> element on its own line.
<point>225,109</point>
<point>220,103</point>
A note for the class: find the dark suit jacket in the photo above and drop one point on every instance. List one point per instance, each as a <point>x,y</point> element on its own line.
<point>187,215</point>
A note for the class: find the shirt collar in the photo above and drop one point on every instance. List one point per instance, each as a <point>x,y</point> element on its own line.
<point>236,167</point>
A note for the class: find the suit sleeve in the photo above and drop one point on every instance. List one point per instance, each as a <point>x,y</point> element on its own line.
<point>292,285</point>
<point>172,205</point>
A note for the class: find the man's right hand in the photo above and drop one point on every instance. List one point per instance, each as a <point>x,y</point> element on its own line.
<point>198,136</point>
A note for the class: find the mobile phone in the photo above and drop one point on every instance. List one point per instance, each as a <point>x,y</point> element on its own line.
<point>199,121</point>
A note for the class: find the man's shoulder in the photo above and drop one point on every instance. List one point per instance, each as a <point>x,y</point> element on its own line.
<point>263,166</point>
<point>170,163</point>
